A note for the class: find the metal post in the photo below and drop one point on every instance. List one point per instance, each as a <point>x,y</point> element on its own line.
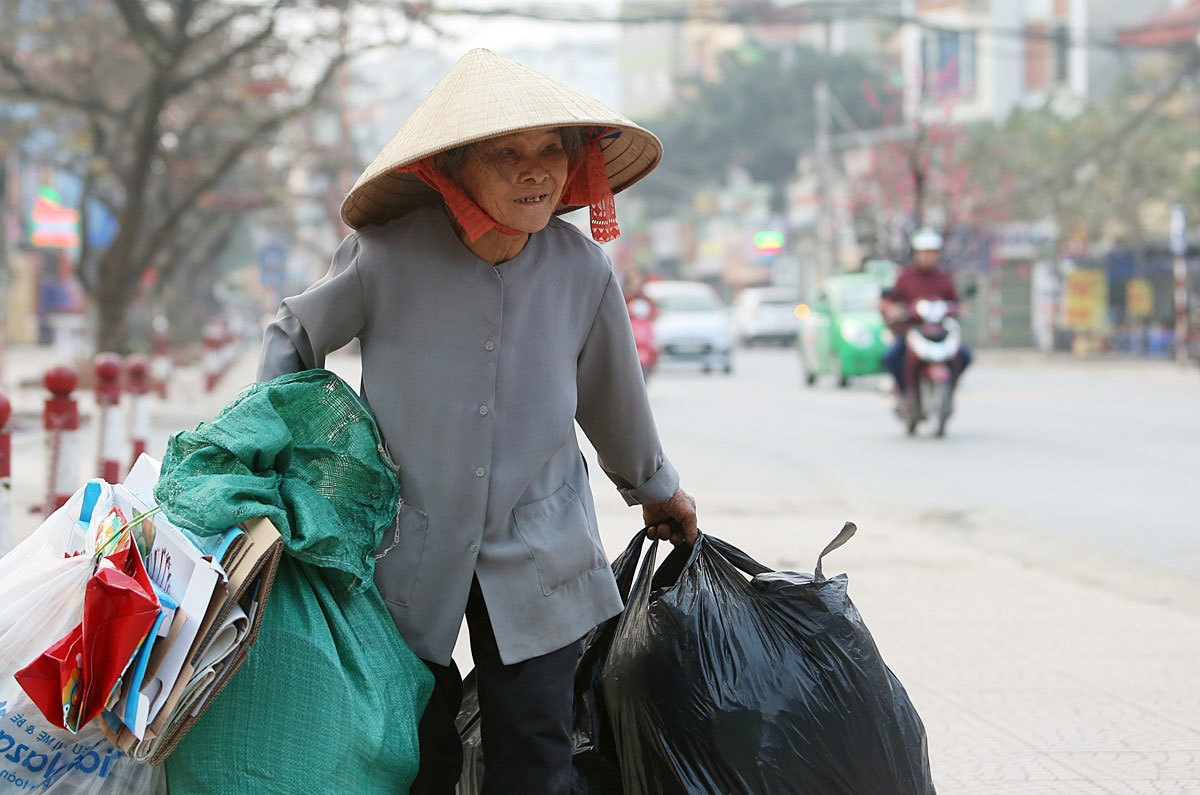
<point>137,370</point>
<point>6,538</point>
<point>1179,252</point>
<point>108,399</point>
<point>61,422</point>
<point>161,364</point>
<point>826,233</point>
<point>213,337</point>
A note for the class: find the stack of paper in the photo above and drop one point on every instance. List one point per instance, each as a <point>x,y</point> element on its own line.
<point>211,590</point>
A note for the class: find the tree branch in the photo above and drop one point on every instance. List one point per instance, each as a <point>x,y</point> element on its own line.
<point>149,39</point>
<point>89,182</point>
<point>220,232</point>
<point>230,158</point>
<point>27,89</point>
<point>222,23</point>
<point>1068,166</point>
<point>222,62</point>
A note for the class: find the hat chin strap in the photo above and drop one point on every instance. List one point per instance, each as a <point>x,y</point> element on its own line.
<point>587,186</point>
<point>471,217</point>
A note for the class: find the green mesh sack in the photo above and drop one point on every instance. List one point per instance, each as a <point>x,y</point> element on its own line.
<point>330,697</point>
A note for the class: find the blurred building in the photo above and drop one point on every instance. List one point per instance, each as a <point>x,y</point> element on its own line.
<point>977,60</point>
<point>656,57</point>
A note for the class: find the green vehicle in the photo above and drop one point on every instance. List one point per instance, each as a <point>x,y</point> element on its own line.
<point>843,334</point>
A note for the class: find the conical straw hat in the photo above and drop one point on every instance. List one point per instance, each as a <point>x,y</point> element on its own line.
<point>485,96</point>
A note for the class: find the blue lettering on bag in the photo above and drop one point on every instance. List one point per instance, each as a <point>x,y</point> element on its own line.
<point>113,756</point>
<point>15,756</point>
<point>55,770</point>
<point>82,763</point>
<point>29,762</point>
<point>6,736</point>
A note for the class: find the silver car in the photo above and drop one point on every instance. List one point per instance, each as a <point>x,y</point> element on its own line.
<point>766,314</point>
<point>693,325</point>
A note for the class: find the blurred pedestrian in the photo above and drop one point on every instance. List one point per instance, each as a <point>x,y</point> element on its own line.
<point>488,327</point>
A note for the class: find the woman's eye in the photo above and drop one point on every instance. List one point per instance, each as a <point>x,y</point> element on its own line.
<point>551,147</point>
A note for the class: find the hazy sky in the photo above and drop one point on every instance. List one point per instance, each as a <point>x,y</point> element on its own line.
<point>509,33</point>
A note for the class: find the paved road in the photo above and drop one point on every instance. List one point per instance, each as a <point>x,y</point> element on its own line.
<point>1102,458</point>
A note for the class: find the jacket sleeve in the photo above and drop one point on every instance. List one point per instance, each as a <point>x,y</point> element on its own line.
<point>613,409</point>
<point>320,320</point>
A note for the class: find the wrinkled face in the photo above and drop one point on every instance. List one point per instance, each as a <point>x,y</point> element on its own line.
<point>517,179</point>
<point>926,259</point>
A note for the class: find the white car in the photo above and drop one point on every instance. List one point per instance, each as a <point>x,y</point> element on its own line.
<point>692,326</point>
<point>766,314</point>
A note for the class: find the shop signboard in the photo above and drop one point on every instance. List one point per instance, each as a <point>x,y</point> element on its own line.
<point>1085,300</point>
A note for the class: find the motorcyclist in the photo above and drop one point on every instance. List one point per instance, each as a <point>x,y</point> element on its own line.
<point>922,279</point>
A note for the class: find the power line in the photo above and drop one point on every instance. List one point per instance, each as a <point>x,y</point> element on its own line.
<point>811,13</point>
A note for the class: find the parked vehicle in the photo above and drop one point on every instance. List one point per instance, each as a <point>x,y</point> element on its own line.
<point>766,314</point>
<point>693,325</point>
<point>842,334</point>
<point>642,314</point>
<point>932,343</point>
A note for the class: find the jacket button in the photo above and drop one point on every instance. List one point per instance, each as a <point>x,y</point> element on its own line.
<point>483,410</point>
<point>489,346</point>
<point>480,472</point>
<point>474,548</point>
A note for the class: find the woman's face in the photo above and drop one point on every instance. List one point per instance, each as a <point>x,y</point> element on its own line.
<point>517,179</point>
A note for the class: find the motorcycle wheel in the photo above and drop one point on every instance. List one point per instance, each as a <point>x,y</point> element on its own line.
<point>840,377</point>
<point>912,411</point>
<point>945,406</point>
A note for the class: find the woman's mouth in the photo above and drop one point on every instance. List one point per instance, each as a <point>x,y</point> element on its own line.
<point>533,200</point>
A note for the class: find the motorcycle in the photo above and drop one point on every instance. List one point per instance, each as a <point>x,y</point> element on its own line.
<point>933,343</point>
<point>641,317</point>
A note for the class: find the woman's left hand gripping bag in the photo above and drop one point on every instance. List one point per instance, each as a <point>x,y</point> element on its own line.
<point>42,587</point>
<point>330,697</point>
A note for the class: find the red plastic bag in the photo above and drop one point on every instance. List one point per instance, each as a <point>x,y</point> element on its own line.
<point>71,682</point>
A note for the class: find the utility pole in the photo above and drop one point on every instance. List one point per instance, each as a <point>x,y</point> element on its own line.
<point>825,223</point>
<point>1179,252</point>
<point>5,272</point>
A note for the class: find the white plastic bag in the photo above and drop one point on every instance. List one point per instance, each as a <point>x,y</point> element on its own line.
<point>41,600</point>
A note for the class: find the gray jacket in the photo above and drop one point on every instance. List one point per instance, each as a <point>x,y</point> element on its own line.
<point>477,375</point>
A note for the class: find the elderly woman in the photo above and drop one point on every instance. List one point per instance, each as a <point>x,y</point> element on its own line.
<point>488,328</point>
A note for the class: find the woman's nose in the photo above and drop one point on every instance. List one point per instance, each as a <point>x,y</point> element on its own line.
<point>533,172</point>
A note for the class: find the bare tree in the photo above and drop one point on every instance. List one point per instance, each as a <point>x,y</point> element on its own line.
<point>168,99</point>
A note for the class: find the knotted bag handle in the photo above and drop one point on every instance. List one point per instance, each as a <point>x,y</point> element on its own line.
<point>847,532</point>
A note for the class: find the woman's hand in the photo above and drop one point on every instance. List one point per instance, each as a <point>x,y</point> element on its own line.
<point>680,507</point>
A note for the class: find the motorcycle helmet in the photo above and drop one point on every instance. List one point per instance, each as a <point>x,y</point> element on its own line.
<point>926,239</point>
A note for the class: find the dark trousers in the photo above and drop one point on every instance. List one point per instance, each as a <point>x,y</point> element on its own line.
<point>525,712</point>
<point>893,360</point>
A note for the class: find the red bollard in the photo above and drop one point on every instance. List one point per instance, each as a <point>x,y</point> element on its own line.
<point>61,422</point>
<point>161,364</point>
<point>6,538</point>
<point>108,398</point>
<point>229,351</point>
<point>137,370</point>
<point>214,338</point>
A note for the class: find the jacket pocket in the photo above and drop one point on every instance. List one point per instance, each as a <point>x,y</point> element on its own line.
<point>558,533</point>
<point>398,558</point>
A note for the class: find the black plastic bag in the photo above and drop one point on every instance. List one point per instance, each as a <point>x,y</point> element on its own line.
<point>717,683</point>
<point>710,682</point>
